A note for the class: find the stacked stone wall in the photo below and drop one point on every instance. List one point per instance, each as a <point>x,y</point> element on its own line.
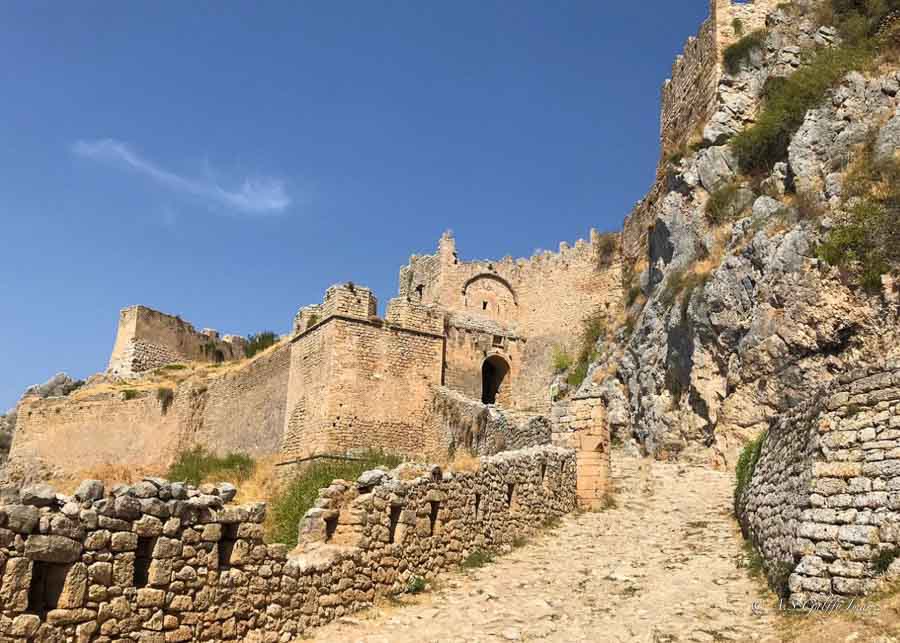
<point>147,339</point>
<point>823,502</point>
<point>239,410</point>
<point>468,427</point>
<point>163,562</point>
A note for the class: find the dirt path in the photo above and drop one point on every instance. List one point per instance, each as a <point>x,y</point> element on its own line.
<point>661,566</point>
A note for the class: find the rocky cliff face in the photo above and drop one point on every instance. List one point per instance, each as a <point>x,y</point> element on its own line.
<point>7,424</point>
<point>737,319</point>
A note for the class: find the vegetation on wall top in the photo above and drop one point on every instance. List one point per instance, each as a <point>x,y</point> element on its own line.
<point>260,342</point>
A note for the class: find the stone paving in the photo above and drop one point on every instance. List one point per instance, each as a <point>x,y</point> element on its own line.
<point>663,565</point>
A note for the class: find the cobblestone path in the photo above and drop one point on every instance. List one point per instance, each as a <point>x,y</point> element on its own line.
<point>663,565</point>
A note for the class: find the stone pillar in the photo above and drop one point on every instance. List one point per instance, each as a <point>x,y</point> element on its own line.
<point>592,453</point>
<point>581,424</point>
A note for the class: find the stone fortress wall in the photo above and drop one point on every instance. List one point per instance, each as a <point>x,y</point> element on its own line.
<point>163,562</point>
<point>823,499</point>
<point>689,98</point>
<point>147,339</point>
<point>518,309</point>
<point>689,95</point>
<point>357,381</point>
<point>239,410</point>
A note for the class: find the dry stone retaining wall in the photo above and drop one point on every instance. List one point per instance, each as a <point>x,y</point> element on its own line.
<point>467,426</point>
<point>823,502</point>
<point>163,562</point>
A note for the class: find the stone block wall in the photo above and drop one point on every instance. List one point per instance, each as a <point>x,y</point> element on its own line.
<point>163,562</point>
<point>581,424</point>
<point>239,410</point>
<point>544,300</point>
<point>357,384</point>
<point>243,409</point>
<point>147,339</point>
<point>466,426</point>
<point>824,499</point>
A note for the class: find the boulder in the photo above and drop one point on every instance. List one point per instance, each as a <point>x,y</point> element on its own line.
<point>52,549</point>
<point>39,495</point>
<point>89,491</point>
<point>59,385</point>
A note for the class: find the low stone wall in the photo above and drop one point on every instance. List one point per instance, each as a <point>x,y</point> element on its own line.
<point>468,426</point>
<point>163,562</point>
<point>822,503</point>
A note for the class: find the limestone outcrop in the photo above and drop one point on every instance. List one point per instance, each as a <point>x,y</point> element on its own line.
<point>733,317</point>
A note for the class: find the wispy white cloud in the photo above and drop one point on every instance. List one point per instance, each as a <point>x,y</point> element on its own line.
<point>258,195</point>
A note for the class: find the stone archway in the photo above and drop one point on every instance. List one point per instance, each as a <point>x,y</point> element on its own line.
<point>494,372</point>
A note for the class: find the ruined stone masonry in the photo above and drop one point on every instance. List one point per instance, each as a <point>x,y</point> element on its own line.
<point>147,339</point>
<point>464,339</point>
<point>822,503</point>
<point>160,561</point>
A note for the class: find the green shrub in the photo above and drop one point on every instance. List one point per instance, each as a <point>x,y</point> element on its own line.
<point>633,293</point>
<point>594,327</point>
<point>761,145</point>
<point>298,496</point>
<point>722,204</point>
<point>607,245</point>
<point>129,393</point>
<point>738,53</point>
<point>682,281</point>
<point>576,375</point>
<point>260,342</point>
<point>165,396</point>
<point>867,243</point>
<point>562,361</point>
<point>746,465</point>
<point>752,561</point>
<point>884,559</point>
<point>859,20</point>
<point>478,558</point>
<point>174,367</point>
<point>415,585</point>
<point>196,465</point>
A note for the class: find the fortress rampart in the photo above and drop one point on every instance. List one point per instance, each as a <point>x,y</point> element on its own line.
<point>162,562</point>
<point>689,95</point>
<point>147,339</point>
<point>239,410</point>
<point>529,306</point>
<point>346,380</point>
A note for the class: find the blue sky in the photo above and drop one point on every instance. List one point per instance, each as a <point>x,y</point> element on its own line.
<point>229,161</point>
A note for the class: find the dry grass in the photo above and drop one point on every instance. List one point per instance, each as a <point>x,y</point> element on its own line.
<point>151,381</point>
<point>262,484</point>
<point>109,474</point>
<point>464,462</point>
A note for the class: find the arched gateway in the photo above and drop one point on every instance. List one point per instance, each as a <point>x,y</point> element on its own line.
<point>493,372</point>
